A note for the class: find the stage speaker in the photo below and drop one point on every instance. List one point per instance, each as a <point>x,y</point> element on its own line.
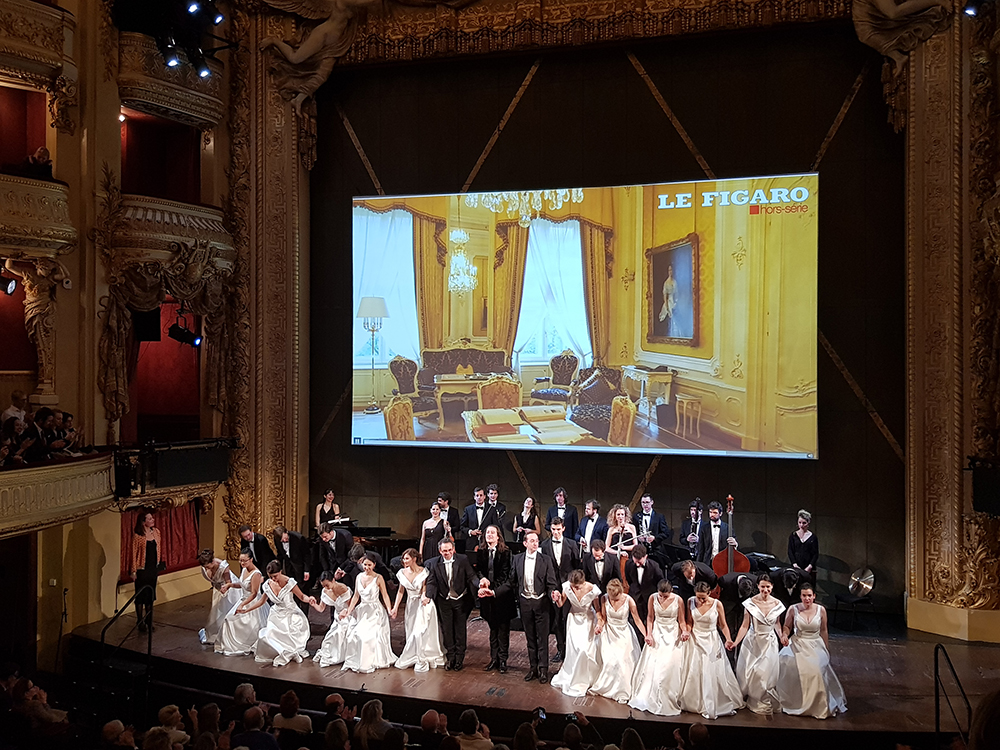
<point>986,490</point>
<point>147,325</point>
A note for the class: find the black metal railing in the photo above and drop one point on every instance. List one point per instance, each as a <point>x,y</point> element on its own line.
<point>939,691</point>
<point>148,619</point>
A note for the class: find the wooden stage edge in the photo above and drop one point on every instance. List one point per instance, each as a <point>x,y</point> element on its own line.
<point>888,677</point>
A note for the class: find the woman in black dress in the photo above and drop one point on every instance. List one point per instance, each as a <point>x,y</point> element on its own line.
<point>433,530</point>
<point>328,510</point>
<point>526,520</point>
<point>146,556</point>
<point>803,547</point>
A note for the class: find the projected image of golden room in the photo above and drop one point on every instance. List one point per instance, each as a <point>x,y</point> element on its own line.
<point>671,318</point>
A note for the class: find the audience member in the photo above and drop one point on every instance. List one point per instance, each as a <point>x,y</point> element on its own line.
<point>157,739</point>
<point>244,697</point>
<point>336,709</point>
<point>474,736</point>
<point>16,410</point>
<point>395,739</point>
<point>372,727</point>
<point>336,735</point>
<point>984,734</point>
<point>115,734</point>
<point>581,734</point>
<point>289,716</point>
<point>170,718</point>
<point>524,738</point>
<point>253,736</point>
<point>631,740</point>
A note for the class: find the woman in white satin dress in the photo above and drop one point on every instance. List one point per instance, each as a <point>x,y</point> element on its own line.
<point>618,644</point>
<point>807,684</point>
<point>224,600</point>
<point>238,634</point>
<point>368,646</point>
<point>656,685</point>
<point>709,686</point>
<point>582,664</point>
<point>283,639</point>
<point>337,595</point>
<point>423,650</point>
<point>760,633</point>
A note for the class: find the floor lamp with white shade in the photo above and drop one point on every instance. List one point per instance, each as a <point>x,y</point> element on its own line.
<point>373,310</point>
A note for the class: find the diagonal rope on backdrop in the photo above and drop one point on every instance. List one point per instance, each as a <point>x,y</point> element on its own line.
<point>835,126</point>
<point>360,149</point>
<point>644,483</point>
<point>333,414</point>
<point>502,124</point>
<point>520,474</point>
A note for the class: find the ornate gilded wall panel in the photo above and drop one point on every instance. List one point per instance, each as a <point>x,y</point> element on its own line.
<point>34,218</point>
<point>36,497</point>
<point>145,83</point>
<point>152,228</point>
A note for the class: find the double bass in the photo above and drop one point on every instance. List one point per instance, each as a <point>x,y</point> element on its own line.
<point>729,560</point>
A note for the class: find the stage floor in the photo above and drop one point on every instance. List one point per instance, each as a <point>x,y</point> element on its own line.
<point>888,677</point>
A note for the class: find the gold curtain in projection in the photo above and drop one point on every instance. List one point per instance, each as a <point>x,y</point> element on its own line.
<point>597,272</point>
<point>508,281</point>
<point>429,254</point>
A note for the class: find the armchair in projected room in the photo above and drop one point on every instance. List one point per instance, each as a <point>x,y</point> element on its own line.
<point>422,396</point>
<point>399,419</point>
<point>623,414</point>
<point>563,367</point>
<point>499,392</point>
<point>591,396</point>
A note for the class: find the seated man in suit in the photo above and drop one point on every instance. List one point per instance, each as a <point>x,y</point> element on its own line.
<point>594,526</point>
<point>565,559</point>
<point>642,575</point>
<point>256,544</point>
<point>713,536</point>
<point>294,554</point>
<point>598,569</point>
<point>452,584</point>
<point>652,528</point>
<point>562,509</point>
<point>687,573</point>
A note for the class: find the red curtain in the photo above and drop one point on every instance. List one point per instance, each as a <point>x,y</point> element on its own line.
<point>178,533</point>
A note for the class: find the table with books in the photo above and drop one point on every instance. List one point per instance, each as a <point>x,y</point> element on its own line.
<point>528,425</point>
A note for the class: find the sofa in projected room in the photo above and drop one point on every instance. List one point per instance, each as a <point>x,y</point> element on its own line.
<point>455,372</point>
<point>590,398</point>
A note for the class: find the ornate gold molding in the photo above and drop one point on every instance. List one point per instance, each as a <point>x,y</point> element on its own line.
<point>34,498</point>
<point>174,497</point>
<point>34,218</point>
<point>145,83</point>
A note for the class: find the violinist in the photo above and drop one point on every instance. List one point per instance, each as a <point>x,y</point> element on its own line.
<point>713,536</point>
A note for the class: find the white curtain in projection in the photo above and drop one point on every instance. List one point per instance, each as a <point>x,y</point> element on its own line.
<point>383,267</point>
<point>553,288</point>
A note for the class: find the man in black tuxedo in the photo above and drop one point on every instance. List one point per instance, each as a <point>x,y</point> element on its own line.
<point>493,564</point>
<point>733,589</point>
<point>493,498</point>
<point>349,570</point>
<point>787,585</point>
<point>453,586</point>
<point>534,580</point>
<point>652,528</point>
<point>565,559</point>
<point>477,517</point>
<point>593,527</point>
<point>687,573</point>
<point>294,553</point>
<point>256,544</point>
<point>690,527</point>
<point>332,549</point>
<point>452,517</point>
<point>713,536</point>
<point>562,509</point>
<point>642,575</point>
<point>598,568</point>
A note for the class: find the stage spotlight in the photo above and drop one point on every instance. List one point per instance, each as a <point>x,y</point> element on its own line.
<point>213,12</point>
<point>193,7</point>
<point>8,284</point>
<point>197,59</point>
<point>178,332</point>
<point>972,7</point>
<point>170,53</point>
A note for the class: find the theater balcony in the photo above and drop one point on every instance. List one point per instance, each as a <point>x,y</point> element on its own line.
<point>36,497</point>
<point>146,84</point>
<point>157,229</point>
<point>34,217</point>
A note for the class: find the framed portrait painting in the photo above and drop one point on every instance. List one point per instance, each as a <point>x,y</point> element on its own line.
<point>671,281</point>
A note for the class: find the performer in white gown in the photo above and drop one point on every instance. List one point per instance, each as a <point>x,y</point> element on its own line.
<point>336,595</point>
<point>709,686</point>
<point>283,638</point>
<point>423,650</point>
<point>238,635</point>
<point>656,686</point>
<point>582,663</point>
<point>368,647</point>
<point>807,684</point>
<point>224,601</point>
<point>760,633</point>
<point>618,644</point>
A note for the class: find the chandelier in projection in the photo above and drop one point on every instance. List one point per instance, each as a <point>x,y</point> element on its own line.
<point>524,205</point>
<point>462,277</point>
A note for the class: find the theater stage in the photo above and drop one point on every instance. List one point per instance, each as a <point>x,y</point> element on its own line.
<point>888,678</point>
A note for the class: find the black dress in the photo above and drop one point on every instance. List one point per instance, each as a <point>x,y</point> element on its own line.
<point>524,526</point>
<point>802,553</point>
<point>146,575</point>
<point>431,539</point>
<point>327,515</point>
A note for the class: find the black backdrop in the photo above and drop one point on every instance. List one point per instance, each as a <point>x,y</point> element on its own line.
<point>759,102</point>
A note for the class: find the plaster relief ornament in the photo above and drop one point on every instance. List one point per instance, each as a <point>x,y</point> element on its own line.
<point>897,28</point>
